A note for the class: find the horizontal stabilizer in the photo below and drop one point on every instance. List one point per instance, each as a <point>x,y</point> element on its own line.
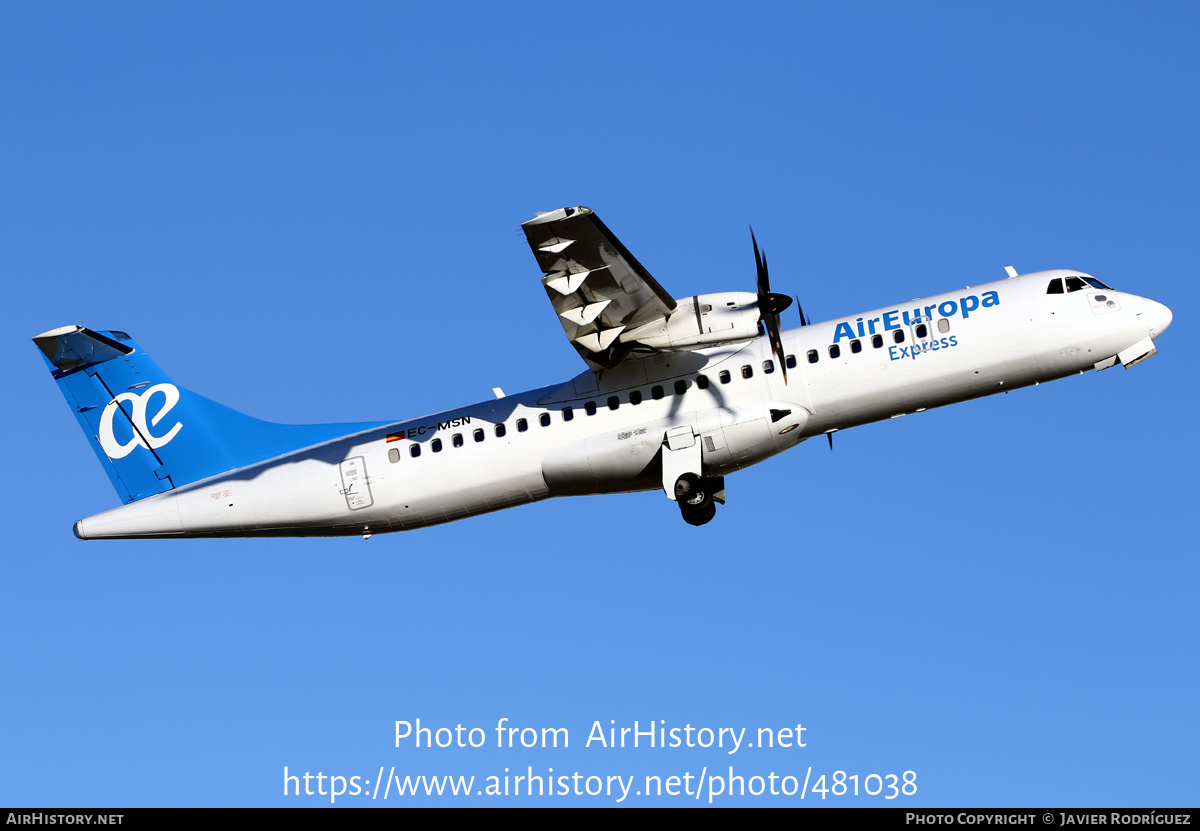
<point>72,347</point>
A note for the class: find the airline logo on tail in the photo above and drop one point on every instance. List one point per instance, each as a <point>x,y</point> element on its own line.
<point>142,436</point>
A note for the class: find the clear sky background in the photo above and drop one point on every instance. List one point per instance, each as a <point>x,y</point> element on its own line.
<point>311,212</point>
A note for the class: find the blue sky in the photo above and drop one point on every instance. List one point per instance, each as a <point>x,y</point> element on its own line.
<point>311,212</point>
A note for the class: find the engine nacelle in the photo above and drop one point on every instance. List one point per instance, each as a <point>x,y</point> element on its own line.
<point>703,320</point>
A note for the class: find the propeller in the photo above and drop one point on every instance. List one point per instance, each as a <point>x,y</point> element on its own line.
<point>804,320</point>
<point>770,305</point>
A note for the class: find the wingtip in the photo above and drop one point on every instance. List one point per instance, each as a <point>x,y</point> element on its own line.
<point>543,217</point>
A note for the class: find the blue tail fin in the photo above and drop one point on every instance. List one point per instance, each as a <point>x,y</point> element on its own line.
<point>150,434</point>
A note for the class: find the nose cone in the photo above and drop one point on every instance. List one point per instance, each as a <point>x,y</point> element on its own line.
<point>1158,318</point>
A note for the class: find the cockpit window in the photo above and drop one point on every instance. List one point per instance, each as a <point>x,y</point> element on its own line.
<point>1075,284</point>
<point>1055,286</point>
<point>1096,284</point>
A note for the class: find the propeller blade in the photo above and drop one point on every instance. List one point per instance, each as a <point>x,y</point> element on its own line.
<point>772,321</point>
<point>770,305</point>
<point>760,262</point>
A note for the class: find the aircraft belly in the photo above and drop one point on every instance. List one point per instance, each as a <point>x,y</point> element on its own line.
<point>886,389</point>
<point>434,496</point>
<point>616,461</point>
<point>304,497</point>
<point>317,500</point>
<point>310,495</point>
<point>630,459</point>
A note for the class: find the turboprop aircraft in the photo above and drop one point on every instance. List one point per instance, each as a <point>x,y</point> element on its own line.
<point>677,394</point>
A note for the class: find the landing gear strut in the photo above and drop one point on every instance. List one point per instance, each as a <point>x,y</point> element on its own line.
<point>695,496</point>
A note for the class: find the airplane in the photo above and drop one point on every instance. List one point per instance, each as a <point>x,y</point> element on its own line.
<point>677,394</point>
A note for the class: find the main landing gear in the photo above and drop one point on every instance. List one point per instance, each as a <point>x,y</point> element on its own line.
<point>698,496</point>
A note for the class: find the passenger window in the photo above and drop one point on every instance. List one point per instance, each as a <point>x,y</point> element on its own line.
<point>1055,286</point>
<point>478,434</point>
<point>876,341</point>
<point>590,408</point>
<point>414,450</point>
<point>544,419</point>
<point>436,445</point>
<point>943,325</point>
<point>394,455</point>
<point>747,371</point>
<point>923,330</point>
<point>856,346</point>
<point>680,387</point>
<point>702,382</point>
<point>635,397</point>
<point>522,425</point>
<point>768,367</point>
<point>899,336</point>
<point>613,402</point>
<point>723,376</point>
<point>457,440</point>
<point>813,356</point>
<point>656,393</point>
<point>501,430</point>
<point>568,414</point>
<point>835,351</point>
<point>791,361</point>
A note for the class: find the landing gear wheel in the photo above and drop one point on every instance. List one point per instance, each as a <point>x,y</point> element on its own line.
<point>698,517</point>
<point>687,485</point>
<point>694,496</point>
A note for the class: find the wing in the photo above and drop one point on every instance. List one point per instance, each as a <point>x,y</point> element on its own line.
<point>597,287</point>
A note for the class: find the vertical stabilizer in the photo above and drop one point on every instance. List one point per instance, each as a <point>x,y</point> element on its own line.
<point>150,434</point>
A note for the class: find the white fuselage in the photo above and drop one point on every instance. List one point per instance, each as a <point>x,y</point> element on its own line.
<point>570,439</point>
